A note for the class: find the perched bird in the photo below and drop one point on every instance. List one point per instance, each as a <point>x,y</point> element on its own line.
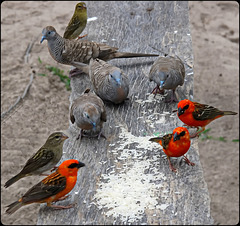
<point>88,112</point>
<point>194,114</point>
<point>51,189</point>
<point>44,159</point>
<point>109,82</point>
<point>175,144</point>
<point>79,52</point>
<point>77,23</point>
<point>168,73</point>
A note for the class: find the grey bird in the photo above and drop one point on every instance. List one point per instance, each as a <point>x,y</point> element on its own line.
<point>79,52</point>
<point>168,73</point>
<point>88,112</point>
<point>109,82</point>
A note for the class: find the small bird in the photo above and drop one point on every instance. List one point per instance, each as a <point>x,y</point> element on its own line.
<point>175,144</point>
<point>77,23</point>
<point>88,112</point>
<point>109,82</point>
<point>44,159</point>
<point>194,114</point>
<point>79,52</point>
<point>167,72</point>
<point>51,189</point>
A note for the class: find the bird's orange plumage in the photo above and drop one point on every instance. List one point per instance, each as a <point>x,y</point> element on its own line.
<point>71,176</point>
<point>175,144</point>
<point>179,147</point>
<point>52,188</point>
<point>199,115</point>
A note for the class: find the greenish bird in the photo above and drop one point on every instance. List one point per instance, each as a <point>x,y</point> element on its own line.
<point>44,159</point>
<point>77,23</point>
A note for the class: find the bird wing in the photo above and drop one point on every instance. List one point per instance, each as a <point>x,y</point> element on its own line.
<point>205,112</point>
<point>73,25</point>
<point>165,140</point>
<point>41,158</point>
<point>48,187</point>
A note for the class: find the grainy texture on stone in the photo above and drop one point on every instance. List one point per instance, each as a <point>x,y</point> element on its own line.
<point>127,179</point>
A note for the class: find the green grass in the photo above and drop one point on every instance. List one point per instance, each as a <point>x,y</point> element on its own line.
<point>57,71</point>
<point>204,136</point>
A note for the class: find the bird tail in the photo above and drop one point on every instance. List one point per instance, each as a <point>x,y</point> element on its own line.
<point>130,55</point>
<point>14,207</point>
<point>13,180</point>
<point>156,139</point>
<point>229,113</point>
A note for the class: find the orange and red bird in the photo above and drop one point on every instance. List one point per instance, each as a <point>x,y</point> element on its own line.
<point>51,189</point>
<point>194,114</point>
<point>175,144</point>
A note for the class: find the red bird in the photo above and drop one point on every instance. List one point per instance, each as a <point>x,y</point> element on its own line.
<point>194,114</point>
<point>51,189</point>
<point>175,144</point>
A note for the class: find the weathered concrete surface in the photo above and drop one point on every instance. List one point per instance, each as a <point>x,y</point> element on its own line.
<point>127,179</point>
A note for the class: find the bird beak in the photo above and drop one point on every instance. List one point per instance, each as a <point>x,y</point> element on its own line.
<point>118,80</point>
<point>176,137</point>
<point>64,137</point>
<point>80,164</point>
<point>43,37</point>
<point>161,84</point>
<point>180,111</point>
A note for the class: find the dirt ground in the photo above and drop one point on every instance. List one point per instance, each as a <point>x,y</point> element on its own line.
<point>215,37</point>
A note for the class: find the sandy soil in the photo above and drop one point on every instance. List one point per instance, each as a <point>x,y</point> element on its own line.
<point>215,35</point>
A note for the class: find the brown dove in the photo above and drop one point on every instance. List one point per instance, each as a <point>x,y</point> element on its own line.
<point>79,52</point>
<point>168,72</point>
<point>88,112</point>
<point>109,82</point>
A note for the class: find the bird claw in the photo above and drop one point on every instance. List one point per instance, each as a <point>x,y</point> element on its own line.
<point>157,90</point>
<point>63,207</point>
<point>62,198</point>
<point>79,37</point>
<point>54,168</point>
<point>188,161</point>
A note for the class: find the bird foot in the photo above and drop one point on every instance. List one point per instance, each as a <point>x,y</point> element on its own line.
<point>62,198</point>
<point>79,37</point>
<point>74,72</point>
<point>44,174</point>
<point>197,134</point>
<point>173,98</point>
<point>63,207</point>
<point>101,135</point>
<point>188,161</point>
<point>157,90</point>
<point>54,168</point>
<point>171,166</point>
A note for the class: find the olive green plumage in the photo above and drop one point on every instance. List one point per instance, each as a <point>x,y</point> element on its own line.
<point>44,159</point>
<point>77,23</point>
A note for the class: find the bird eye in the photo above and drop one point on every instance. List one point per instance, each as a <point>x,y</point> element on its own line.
<point>186,107</point>
<point>182,133</point>
<point>57,137</point>
<point>49,32</point>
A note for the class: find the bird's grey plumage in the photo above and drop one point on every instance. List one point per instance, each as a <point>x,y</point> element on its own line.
<point>79,52</point>
<point>88,112</point>
<point>168,73</point>
<point>109,82</point>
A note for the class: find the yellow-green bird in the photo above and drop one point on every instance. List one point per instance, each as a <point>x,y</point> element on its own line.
<point>77,23</point>
<point>44,159</point>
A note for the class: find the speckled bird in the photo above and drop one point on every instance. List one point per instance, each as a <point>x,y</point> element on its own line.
<point>168,73</point>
